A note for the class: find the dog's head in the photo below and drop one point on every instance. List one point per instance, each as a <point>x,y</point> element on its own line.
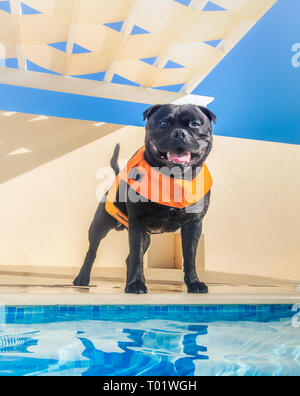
<point>178,135</point>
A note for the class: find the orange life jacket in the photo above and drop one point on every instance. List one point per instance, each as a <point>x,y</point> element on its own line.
<point>156,186</point>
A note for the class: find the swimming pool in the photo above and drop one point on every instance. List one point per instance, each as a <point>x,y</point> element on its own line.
<point>253,340</point>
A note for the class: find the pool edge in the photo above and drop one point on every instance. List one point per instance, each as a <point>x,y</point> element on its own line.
<point>149,299</point>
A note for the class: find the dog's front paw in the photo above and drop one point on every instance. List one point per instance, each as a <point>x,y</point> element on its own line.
<point>197,287</point>
<point>81,280</point>
<point>136,288</point>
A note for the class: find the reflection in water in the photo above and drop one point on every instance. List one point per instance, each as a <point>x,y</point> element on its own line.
<point>17,344</point>
<point>13,351</point>
<point>155,346</point>
<point>102,348</point>
<point>137,360</point>
<point>186,366</point>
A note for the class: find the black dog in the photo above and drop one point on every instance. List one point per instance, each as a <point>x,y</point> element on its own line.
<point>178,135</point>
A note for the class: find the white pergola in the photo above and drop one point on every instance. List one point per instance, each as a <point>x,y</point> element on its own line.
<point>168,32</point>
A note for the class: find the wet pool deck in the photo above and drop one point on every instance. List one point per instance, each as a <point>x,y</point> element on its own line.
<point>23,288</point>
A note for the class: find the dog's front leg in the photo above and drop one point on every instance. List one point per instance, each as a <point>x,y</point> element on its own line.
<point>138,243</point>
<point>190,235</point>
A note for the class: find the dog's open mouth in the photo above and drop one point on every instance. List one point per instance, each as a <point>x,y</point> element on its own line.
<point>181,157</point>
<point>178,156</point>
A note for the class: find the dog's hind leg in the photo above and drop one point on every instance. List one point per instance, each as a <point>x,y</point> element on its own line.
<point>99,228</point>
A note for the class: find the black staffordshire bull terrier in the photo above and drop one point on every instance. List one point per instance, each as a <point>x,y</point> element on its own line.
<point>177,136</point>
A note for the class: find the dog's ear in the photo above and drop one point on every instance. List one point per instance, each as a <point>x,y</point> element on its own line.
<point>148,113</point>
<point>209,114</point>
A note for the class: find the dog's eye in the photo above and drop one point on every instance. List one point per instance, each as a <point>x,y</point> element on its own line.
<point>164,124</point>
<point>194,124</point>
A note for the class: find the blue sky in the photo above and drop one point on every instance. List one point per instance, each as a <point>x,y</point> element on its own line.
<point>256,88</point>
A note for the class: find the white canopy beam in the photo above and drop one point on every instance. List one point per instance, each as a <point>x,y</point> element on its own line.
<point>70,39</point>
<point>79,86</point>
<point>15,6</point>
<point>163,58</point>
<point>126,29</point>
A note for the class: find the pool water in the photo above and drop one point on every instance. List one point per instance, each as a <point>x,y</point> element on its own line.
<point>240,340</point>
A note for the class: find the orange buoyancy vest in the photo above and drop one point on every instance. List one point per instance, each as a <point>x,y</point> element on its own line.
<point>155,186</point>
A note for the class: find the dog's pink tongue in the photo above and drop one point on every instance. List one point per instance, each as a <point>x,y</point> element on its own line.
<point>179,157</point>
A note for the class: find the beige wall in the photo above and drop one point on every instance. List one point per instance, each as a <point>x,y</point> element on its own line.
<point>252,225</point>
<point>45,213</point>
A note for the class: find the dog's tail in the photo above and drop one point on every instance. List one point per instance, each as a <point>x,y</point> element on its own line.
<point>116,169</point>
<point>114,160</point>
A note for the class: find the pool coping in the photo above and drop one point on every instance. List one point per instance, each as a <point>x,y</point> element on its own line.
<point>149,299</point>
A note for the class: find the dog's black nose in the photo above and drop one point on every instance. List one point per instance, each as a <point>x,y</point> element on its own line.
<point>179,134</point>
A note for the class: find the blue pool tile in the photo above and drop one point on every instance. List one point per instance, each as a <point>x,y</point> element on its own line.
<point>38,308</point>
<point>44,314</point>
